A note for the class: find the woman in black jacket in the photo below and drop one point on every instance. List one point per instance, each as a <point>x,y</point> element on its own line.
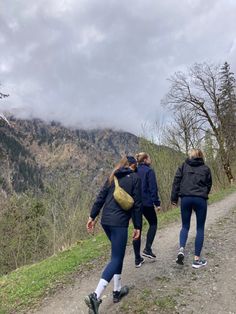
<point>115,221</point>
<point>192,183</point>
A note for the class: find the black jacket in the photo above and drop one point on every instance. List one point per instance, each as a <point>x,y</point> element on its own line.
<point>112,213</point>
<point>193,178</point>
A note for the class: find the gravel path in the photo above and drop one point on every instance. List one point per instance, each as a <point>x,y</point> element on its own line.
<point>163,286</point>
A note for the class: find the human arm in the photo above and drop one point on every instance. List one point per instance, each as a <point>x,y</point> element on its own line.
<point>137,208</point>
<point>209,181</point>
<point>100,200</point>
<point>153,188</point>
<point>176,186</point>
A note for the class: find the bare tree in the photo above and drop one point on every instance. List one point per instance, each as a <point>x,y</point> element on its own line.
<point>198,94</point>
<point>183,132</point>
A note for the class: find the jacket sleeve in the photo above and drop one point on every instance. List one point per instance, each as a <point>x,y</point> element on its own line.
<point>152,184</point>
<point>209,181</point>
<point>100,200</point>
<point>137,208</point>
<point>176,185</point>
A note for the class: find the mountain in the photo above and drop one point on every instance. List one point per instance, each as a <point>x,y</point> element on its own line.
<point>34,152</point>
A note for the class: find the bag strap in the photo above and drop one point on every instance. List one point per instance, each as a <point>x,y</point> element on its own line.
<point>116,182</point>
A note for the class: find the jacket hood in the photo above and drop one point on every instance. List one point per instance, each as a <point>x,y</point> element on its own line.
<point>195,162</point>
<point>122,172</point>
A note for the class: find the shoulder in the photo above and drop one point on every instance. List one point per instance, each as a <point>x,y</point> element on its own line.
<point>207,168</point>
<point>184,166</point>
<point>135,176</point>
<point>150,171</point>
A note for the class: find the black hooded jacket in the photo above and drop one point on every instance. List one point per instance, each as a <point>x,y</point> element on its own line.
<point>112,213</point>
<point>193,178</point>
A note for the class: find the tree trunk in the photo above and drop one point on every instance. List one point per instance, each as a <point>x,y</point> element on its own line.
<point>226,164</point>
<point>228,171</point>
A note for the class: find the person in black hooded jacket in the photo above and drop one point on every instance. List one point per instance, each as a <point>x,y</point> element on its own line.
<point>115,222</point>
<point>192,183</point>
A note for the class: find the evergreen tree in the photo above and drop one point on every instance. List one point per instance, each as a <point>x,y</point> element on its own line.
<point>227,102</point>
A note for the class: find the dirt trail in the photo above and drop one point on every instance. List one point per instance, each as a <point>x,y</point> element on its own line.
<point>162,286</point>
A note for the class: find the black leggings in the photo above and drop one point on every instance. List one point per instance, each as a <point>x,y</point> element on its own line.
<point>150,214</point>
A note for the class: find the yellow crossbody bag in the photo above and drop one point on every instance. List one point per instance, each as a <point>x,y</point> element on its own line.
<point>123,198</point>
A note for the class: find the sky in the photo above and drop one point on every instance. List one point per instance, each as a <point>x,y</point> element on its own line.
<point>106,63</point>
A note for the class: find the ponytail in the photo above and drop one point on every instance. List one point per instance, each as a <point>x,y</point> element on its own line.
<point>122,163</point>
<point>141,157</point>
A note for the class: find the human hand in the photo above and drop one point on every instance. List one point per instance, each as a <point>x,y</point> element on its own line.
<point>90,225</point>
<point>136,234</point>
<point>157,208</point>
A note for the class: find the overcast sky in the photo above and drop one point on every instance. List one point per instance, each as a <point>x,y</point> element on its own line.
<point>105,63</point>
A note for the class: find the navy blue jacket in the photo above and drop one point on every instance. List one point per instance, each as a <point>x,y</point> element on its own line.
<point>112,213</point>
<point>149,185</point>
<point>193,178</point>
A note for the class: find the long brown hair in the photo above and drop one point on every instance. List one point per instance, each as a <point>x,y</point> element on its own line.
<point>141,157</point>
<point>122,163</point>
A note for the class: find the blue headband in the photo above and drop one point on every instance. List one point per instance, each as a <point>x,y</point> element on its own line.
<point>131,160</point>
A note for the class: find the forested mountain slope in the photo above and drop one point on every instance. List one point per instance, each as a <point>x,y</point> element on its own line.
<point>33,152</point>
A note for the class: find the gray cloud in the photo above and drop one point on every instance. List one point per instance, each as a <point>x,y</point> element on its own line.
<point>105,63</point>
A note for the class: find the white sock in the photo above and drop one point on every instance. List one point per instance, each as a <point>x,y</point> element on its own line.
<point>101,287</point>
<point>117,282</point>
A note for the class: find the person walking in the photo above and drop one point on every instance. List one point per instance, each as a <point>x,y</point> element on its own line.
<point>150,205</point>
<point>115,221</point>
<point>192,183</point>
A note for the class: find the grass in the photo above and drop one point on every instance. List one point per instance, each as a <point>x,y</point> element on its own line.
<point>148,299</point>
<point>26,286</point>
<point>166,303</point>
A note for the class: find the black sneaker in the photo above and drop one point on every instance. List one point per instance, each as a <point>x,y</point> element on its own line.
<point>118,295</point>
<point>200,263</point>
<point>180,256</point>
<point>139,262</point>
<point>148,254</point>
<point>93,303</point>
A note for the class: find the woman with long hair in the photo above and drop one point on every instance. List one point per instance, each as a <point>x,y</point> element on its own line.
<point>115,221</point>
<point>192,183</point>
<point>150,205</point>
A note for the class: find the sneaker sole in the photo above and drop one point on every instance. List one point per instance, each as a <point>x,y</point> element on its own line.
<point>199,266</point>
<point>180,259</point>
<point>140,264</point>
<point>149,256</point>
<point>89,305</point>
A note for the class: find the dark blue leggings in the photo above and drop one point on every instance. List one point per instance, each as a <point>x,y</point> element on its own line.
<point>118,237</point>
<point>199,205</point>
